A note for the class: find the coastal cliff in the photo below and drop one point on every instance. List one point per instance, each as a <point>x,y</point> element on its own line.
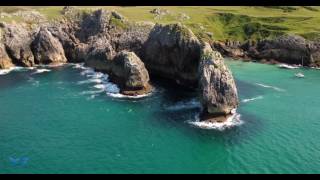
<point>131,53</point>
<point>290,49</point>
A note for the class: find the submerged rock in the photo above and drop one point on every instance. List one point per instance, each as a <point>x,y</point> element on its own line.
<point>218,92</point>
<point>47,49</point>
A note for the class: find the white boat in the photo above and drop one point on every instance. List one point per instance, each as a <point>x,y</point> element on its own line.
<point>286,66</point>
<point>299,75</point>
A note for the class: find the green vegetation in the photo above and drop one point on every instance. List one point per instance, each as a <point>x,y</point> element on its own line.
<point>223,22</point>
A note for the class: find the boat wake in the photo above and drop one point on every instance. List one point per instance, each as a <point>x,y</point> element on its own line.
<point>232,121</point>
<point>252,99</point>
<point>191,104</point>
<point>271,87</point>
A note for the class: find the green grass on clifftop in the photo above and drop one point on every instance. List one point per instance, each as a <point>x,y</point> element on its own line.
<point>223,22</point>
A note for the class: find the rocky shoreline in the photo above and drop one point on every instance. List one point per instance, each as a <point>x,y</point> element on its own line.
<point>130,53</point>
<point>288,49</point>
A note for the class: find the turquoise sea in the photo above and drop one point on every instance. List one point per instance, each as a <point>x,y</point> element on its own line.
<point>63,121</point>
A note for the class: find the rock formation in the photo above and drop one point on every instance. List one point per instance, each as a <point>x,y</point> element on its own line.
<point>17,40</point>
<point>47,49</point>
<point>5,61</point>
<point>218,92</point>
<point>290,49</point>
<point>128,52</point>
<point>127,70</point>
<point>173,51</point>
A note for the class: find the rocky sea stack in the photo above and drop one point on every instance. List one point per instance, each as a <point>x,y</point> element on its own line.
<point>131,53</point>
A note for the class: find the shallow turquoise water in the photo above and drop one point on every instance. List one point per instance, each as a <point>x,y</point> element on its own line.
<point>51,123</point>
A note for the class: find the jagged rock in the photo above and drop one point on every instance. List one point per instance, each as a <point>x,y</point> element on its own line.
<point>126,70</point>
<point>47,49</point>
<point>99,48</point>
<point>218,92</point>
<point>17,40</point>
<point>229,49</point>
<point>132,73</point>
<point>173,51</point>
<point>93,24</point>
<point>291,49</point>
<point>131,39</point>
<point>5,61</point>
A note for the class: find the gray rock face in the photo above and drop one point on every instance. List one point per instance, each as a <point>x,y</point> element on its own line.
<point>127,70</point>
<point>218,92</point>
<point>73,48</point>
<point>5,61</point>
<point>288,49</point>
<point>93,24</point>
<point>129,67</point>
<point>47,49</point>
<point>173,51</point>
<point>17,42</point>
<point>229,49</point>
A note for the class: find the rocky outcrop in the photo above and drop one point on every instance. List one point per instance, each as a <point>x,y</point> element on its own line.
<point>5,61</point>
<point>132,73</point>
<point>287,49</point>
<point>127,70</point>
<point>17,40</point>
<point>173,51</point>
<point>128,52</point>
<point>229,48</point>
<point>290,49</point>
<point>47,49</point>
<point>218,92</point>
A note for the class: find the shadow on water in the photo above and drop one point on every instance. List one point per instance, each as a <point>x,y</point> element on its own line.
<point>176,96</point>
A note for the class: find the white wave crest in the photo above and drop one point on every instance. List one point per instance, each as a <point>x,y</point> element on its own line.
<point>78,66</point>
<point>101,82</point>
<point>251,99</point>
<point>95,80</point>
<point>38,71</point>
<point>191,104</point>
<point>91,92</point>
<point>17,68</point>
<point>118,95</point>
<point>271,87</point>
<point>232,121</point>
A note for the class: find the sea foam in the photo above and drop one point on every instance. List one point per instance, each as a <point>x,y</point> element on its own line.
<point>38,71</point>
<point>101,82</point>
<point>232,121</point>
<point>17,68</point>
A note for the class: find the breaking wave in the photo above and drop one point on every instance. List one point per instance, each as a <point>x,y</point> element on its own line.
<point>101,82</point>
<point>271,87</point>
<point>38,71</point>
<point>17,68</point>
<point>118,95</point>
<point>232,121</point>
<point>251,99</point>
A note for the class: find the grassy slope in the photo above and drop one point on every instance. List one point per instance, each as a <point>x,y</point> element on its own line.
<point>225,22</point>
